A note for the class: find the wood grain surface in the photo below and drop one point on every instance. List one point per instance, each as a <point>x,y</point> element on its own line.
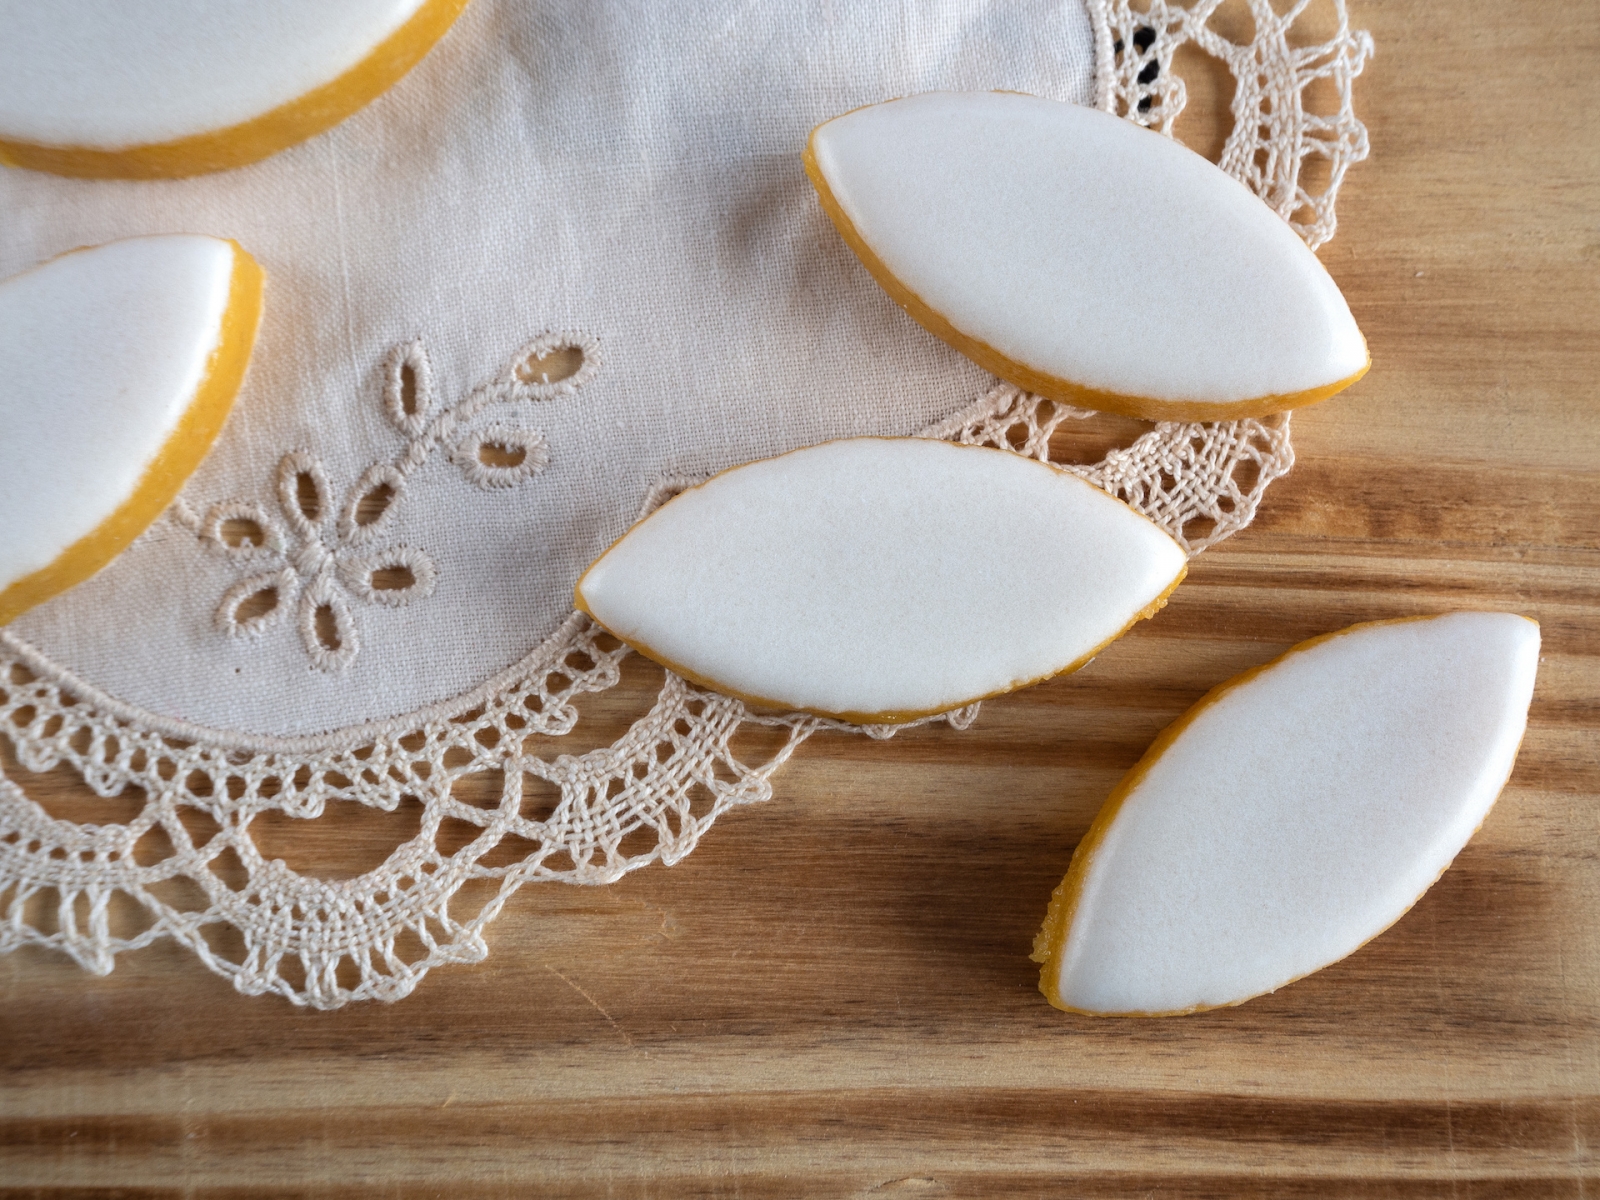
<point>832,996</point>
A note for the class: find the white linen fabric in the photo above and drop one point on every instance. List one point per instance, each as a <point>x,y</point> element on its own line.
<point>628,171</point>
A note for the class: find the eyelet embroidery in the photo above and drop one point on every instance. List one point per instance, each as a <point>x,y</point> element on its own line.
<point>395,576</point>
<point>371,504</point>
<point>241,530</point>
<point>500,456</point>
<point>555,364</point>
<point>320,559</point>
<point>263,600</point>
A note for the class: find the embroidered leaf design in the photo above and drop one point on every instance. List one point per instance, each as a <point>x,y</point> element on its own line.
<point>371,503</point>
<point>501,456</point>
<point>393,576</point>
<point>555,364</point>
<point>326,626</point>
<point>241,529</point>
<point>254,605</point>
<point>303,492</point>
<point>408,388</point>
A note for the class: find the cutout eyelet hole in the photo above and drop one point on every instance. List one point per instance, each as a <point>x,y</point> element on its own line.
<point>326,626</point>
<point>370,503</point>
<point>395,578</point>
<point>374,504</point>
<point>408,389</point>
<point>241,533</point>
<point>554,365</point>
<point>255,606</point>
<point>308,496</point>
<point>501,456</point>
<point>497,454</point>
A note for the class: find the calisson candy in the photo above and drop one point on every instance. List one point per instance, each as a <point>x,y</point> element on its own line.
<point>1084,258</point>
<point>118,366</point>
<point>1290,816</point>
<point>166,88</point>
<point>882,579</point>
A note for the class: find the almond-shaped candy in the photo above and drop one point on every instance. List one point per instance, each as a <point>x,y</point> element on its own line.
<point>118,367</point>
<point>1084,258</point>
<point>881,579</point>
<point>1293,814</point>
<point>164,88</point>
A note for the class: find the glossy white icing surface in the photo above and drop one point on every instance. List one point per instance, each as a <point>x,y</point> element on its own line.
<point>1301,814</point>
<point>101,352</point>
<point>1087,248</point>
<point>881,575</point>
<point>111,74</point>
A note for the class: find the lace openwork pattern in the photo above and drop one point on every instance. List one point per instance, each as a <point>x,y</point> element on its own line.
<point>186,866</point>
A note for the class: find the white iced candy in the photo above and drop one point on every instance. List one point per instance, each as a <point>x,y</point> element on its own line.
<point>102,353</point>
<point>882,578</point>
<point>1074,249</point>
<point>108,74</point>
<point>1297,814</point>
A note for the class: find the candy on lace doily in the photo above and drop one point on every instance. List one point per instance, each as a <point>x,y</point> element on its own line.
<point>94,891</point>
<point>959,203</point>
<point>828,579</point>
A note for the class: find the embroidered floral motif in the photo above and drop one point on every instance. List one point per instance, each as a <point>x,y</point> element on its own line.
<point>319,557</point>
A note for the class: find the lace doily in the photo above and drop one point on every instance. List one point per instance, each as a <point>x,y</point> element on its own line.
<point>186,866</point>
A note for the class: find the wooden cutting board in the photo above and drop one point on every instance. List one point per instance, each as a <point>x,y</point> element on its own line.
<point>832,996</point>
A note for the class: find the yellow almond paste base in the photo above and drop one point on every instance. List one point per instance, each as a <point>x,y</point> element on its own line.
<point>258,138</point>
<point>177,459</point>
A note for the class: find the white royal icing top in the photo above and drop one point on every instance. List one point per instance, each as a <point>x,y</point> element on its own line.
<point>1088,248</point>
<point>1301,814</point>
<point>878,575</point>
<point>101,352</point>
<point>110,74</point>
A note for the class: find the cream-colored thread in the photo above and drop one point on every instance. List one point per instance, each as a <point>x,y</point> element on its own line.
<point>357,528</point>
<point>356,571</point>
<point>408,363</point>
<point>648,797</point>
<point>212,531</point>
<point>528,382</point>
<point>299,473</point>
<point>323,603</point>
<point>285,584</point>
<point>1274,131</point>
<point>468,455</point>
<point>1183,476</point>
